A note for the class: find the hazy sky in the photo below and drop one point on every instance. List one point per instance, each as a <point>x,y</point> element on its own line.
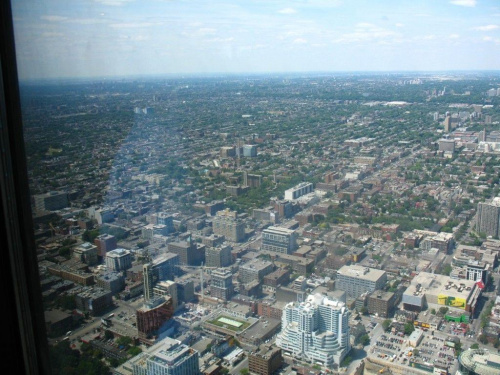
<point>92,38</point>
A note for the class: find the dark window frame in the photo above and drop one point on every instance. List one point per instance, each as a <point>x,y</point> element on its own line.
<point>25,347</point>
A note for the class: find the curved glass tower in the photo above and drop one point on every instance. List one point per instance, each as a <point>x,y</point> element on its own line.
<point>316,330</point>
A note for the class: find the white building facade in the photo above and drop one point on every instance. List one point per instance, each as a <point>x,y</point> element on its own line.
<point>316,330</point>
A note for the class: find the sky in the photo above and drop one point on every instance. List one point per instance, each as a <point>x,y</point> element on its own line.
<point>108,38</point>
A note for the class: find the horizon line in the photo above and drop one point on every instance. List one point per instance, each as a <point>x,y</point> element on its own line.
<point>243,74</point>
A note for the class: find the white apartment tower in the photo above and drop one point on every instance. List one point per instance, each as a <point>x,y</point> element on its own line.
<point>488,217</point>
<point>316,330</point>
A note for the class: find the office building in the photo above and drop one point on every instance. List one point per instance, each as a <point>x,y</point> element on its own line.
<point>227,224</point>
<point>152,317</point>
<point>52,201</point>
<point>227,151</point>
<point>101,215</point>
<point>249,150</point>
<point>299,190</point>
<point>105,243</point>
<point>316,330</point>
<point>254,270</point>
<point>118,260</point>
<point>284,208</point>
<point>167,357</point>
<point>446,145</point>
<point>180,291</point>
<point>95,301</point>
<point>86,253</point>
<point>266,360</point>
<point>150,230</point>
<point>160,269</point>
<point>167,288</point>
<point>428,288</point>
<point>488,217</point>
<point>381,303</point>
<point>221,286</point>
<point>190,253</point>
<point>113,282</point>
<point>185,290</point>
<point>447,124</point>
<point>252,180</point>
<point>356,280</point>
<point>214,206</point>
<point>279,240</point>
<point>219,256</point>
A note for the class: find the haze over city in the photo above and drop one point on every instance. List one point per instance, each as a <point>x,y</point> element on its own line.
<point>105,38</point>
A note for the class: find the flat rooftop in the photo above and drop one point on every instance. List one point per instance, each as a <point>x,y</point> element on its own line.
<point>360,272</point>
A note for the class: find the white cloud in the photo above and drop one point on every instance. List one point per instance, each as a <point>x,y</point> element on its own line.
<point>454,36</point>
<point>464,3</point>
<point>486,28</point>
<point>132,25</point>
<point>52,18</point>
<point>487,38</point>
<point>114,3</point>
<point>287,11</point>
<point>367,32</point>
<point>399,24</point>
<point>300,41</point>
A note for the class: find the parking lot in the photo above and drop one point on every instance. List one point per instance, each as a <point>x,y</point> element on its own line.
<point>431,351</point>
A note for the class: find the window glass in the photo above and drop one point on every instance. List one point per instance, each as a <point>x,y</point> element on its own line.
<point>158,129</point>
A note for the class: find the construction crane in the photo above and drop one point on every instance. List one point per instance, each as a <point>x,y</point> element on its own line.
<point>52,230</point>
<point>202,269</point>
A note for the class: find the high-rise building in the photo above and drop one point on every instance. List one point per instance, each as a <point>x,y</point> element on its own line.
<point>105,242</point>
<point>316,330</point>
<point>190,253</point>
<point>249,150</point>
<point>86,253</point>
<point>447,123</point>
<point>150,230</point>
<point>298,190</point>
<point>255,270</point>
<point>279,240</point>
<point>266,360</point>
<point>167,288</point>
<point>54,200</point>
<point>488,217</point>
<point>228,225</point>
<point>111,281</point>
<point>222,284</point>
<point>118,260</point>
<point>219,256</point>
<point>160,269</point>
<point>356,280</point>
<point>252,180</point>
<point>168,357</point>
<point>153,317</point>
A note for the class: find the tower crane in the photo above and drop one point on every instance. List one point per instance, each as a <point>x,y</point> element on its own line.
<point>202,269</point>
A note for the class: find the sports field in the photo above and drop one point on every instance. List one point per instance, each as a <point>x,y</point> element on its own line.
<point>230,323</point>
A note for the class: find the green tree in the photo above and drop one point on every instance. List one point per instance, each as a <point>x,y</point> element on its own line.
<point>244,371</point>
<point>409,328</point>
<point>386,324</point>
<point>364,340</point>
<point>443,310</point>
<point>124,340</point>
<point>134,350</point>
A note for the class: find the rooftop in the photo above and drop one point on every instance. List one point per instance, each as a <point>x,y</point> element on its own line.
<point>361,272</point>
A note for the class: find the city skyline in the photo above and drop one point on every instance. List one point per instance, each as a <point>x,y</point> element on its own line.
<point>108,38</point>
